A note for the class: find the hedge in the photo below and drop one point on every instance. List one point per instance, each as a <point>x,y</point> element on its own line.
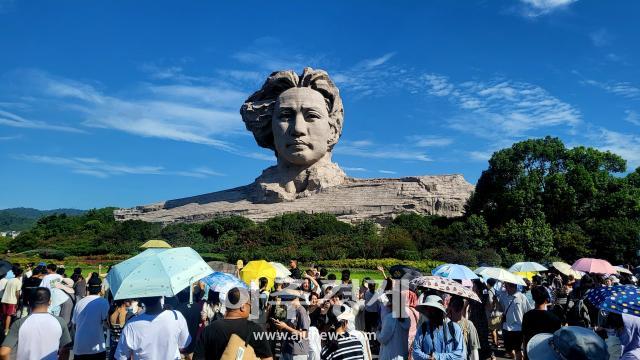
<point>423,265</point>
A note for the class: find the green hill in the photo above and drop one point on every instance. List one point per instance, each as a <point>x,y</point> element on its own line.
<point>20,219</point>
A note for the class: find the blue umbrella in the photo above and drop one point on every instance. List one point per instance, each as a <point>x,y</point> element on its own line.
<point>454,272</point>
<point>621,299</point>
<point>157,272</point>
<point>222,282</point>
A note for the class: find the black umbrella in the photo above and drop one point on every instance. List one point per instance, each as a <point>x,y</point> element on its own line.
<point>5,267</point>
<point>404,272</point>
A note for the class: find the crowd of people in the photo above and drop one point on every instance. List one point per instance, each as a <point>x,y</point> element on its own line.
<point>312,315</point>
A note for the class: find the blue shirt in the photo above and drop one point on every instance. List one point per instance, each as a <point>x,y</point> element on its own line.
<point>452,349</point>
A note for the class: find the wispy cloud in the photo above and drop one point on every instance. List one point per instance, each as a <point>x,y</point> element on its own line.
<point>625,145</point>
<point>353,168</point>
<point>389,172</point>
<point>371,77</point>
<point>191,113</point>
<point>632,117</point>
<point>380,151</point>
<point>601,37</point>
<point>98,168</point>
<point>272,54</point>
<point>480,155</point>
<point>10,119</point>
<point>535,8</point>
<point>429,141</point>
<point>620,88</point>
<point>501,108</point>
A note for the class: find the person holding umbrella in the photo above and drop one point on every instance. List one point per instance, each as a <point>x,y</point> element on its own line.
<point>438,338</point>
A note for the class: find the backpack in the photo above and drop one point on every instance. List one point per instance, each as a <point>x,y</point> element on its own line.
<point>452,332</point>
<point>578,313</point>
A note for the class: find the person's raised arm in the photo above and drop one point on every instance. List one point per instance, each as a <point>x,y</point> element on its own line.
<point>381,269</point>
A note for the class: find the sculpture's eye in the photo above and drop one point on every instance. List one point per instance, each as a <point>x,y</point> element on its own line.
<point>312,115</point>
<point>285,114</point>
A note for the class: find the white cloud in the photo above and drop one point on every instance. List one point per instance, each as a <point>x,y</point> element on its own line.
<point>534,8</point>
<point>271,54</point>
<point>480,155</point>
<point>429,141</point>
<point>501,108</point>
<point>369,64</point>
<point>380,151</point>
<point>625,145</point>
<point>14,120</point>
<point>98,168</point>
<point>190,113</point>
<point>632,117</point>
<point>387,172</point>
<point>620,88</point>
<point>353,168</point>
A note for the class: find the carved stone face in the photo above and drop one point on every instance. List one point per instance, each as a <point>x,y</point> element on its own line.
<point>300,126</point>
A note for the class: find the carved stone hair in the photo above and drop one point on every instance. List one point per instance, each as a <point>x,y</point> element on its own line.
<point>257,110</point>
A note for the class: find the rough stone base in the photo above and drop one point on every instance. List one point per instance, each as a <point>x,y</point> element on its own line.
<point>378,200</point>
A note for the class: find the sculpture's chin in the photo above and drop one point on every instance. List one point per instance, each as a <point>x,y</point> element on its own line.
<point>301,159</point>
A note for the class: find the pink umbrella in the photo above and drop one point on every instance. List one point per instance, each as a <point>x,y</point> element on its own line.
<point>597,266</point>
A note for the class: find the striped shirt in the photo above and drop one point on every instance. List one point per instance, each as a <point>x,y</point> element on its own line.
<point>346,347</point>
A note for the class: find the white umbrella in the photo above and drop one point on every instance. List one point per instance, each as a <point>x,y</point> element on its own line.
<point>281,270</point>
<point>480,269</point>
<point>527,266</point>
<point>502,275</point>
<point>623,270</point>
<point>566,269</point>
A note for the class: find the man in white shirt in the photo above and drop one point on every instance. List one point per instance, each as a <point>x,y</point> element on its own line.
<point>515,305</point>
<point>51,278</point>
<point>89,317</point>
<point>10,298</point>
<point>156,334</point>
<point>40,335</point>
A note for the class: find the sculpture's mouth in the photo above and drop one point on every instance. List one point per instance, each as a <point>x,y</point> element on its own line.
<point>298,145</point>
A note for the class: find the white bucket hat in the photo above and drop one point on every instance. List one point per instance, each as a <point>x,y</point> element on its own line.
<point>433,301</point>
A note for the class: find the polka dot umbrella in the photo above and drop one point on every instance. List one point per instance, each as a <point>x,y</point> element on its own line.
<point>621,299</point>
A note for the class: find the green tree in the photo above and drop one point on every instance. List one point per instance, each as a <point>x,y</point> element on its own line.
<point>532,238</point>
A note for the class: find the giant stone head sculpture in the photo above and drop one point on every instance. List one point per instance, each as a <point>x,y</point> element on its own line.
<point>298,117</point>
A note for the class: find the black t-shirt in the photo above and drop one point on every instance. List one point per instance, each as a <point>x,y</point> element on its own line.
<point>191,313</point>
<point>535,322</point>
<point>215,337</point>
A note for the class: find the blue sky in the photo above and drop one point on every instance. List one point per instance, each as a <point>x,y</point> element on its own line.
<point>132,102</point>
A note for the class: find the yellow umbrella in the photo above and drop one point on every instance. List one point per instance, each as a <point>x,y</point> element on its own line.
<point>526,274</point>
<point>256,269</point>
<point>155,244</point>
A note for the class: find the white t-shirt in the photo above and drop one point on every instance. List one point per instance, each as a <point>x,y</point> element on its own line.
<point>13,286</point>
<point>49,280</point>
<point>38,336</point>
<point>154,337</point>
<point>89,316</point>
<point>3,284</point>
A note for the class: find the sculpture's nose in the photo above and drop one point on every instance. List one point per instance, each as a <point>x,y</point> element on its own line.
<point>299,125</point>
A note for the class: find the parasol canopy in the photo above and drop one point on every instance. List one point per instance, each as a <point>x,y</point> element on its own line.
<point>444,285</point>
<point>281,270</point>
<point>155,244</point>
<point>502,275</point>
<point>256,269</point>
<point>597,266</point>
<point>454,272</point>
<point>404,272</point>
<point>527,266</point>
<point>566,269</point>
<point>621,299</point>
